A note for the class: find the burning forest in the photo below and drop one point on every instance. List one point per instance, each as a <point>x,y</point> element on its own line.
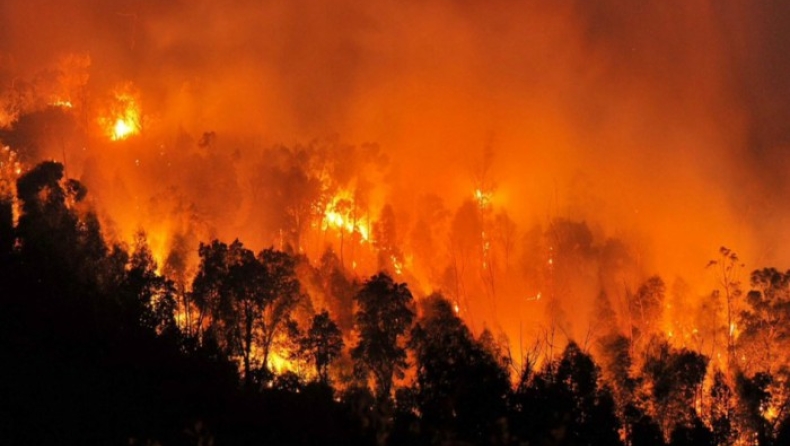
<point>349,222</point>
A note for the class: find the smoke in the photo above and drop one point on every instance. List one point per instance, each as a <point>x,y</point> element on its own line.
<point>662,124</point>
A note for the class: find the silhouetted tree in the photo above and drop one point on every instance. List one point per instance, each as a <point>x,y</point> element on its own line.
<point>6,229</point>
<point>563,404</point>
<point>753,398</point>
<point>246,298</point>
<point>323,342</point>
<point>616,361</point>
<point>721,409</point>
<point>208,282</point>
<point>383,318</point>
<point>44,213</point>
<point>152,297</point>
<point>230,289</point>
<point>461,387</point>
<point>644,430</point>
<point>281,292</point>
<point>673,379</point>
<point>695,434</point>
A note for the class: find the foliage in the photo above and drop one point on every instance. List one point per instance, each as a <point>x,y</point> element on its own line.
<point>564,404</point>
<point>243,298</point>
<point>765,322</point>
<point>323,343</point>
<point>673,380</point>
<point>92,352</point>
<point>383,318</point>
<point>461,387</point>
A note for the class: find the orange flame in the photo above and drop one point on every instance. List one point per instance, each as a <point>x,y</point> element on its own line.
<point>340,215</point>
<point>124,119</point>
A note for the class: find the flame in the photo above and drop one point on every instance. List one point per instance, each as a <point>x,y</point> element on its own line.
<point>62,103</point>
<point>397,265</point>
<point>123,129</point>
<point>123,120</point>
<point>339,215</point>
<point>769,411</point>
<point>278,363</point>
<point>483,198</point>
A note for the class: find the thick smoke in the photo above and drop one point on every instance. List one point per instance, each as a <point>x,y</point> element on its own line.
<point>661,124</point>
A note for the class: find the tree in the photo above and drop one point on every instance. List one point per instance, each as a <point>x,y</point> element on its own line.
<point>229,290</point>
<point>281,292</point>
<point>696,434</point>
<point>644,430</point>
<point>152,296</point>
<point>6,228</point>
<point>461,387</point>
<point>765,323</point>
<point>753,397</point>
<point>563,404</point>
<point>645,309</point>
<point>291,189</point>
<point>323,342</point>
<point>242,304</point>
<point>616,361</point>
<point>728,268</point>
<point>44,212</point>
<point>673,380</point>
<point>245,298</point>
<point>721,409</point>
<point>385,239</point>
<point>207,284</point>
<point>383,318</point>
<point>339,290</point>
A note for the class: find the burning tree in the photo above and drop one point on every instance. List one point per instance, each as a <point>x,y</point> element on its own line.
<point>765,322</point>
<point>645,309</point>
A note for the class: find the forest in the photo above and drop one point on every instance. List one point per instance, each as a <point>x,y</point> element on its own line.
<point>393,222</point>
<point>102,346</point>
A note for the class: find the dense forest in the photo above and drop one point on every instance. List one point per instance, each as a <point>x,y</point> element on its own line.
<point>100,345</point>
<point>380,222</point>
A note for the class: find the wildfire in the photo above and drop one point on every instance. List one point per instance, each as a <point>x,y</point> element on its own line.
<point>341,214</point>
<point>123,120</point>
<point>278,362</point>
